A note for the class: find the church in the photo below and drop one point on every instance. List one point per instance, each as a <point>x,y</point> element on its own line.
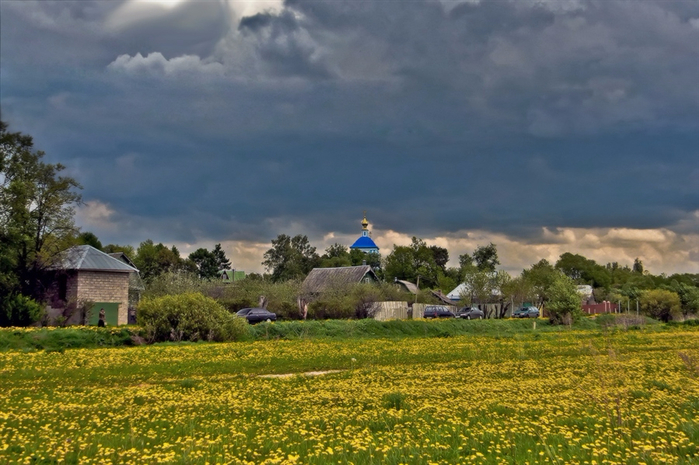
<point>365,243</point>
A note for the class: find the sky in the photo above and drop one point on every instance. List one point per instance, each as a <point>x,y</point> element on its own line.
<point>543,126</point>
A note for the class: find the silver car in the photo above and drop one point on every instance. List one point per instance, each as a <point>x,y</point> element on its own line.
<point>470,313</point>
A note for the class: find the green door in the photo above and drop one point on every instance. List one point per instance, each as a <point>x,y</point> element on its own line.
<point>111,313</point>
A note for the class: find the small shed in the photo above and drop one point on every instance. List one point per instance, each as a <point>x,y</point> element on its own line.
<point>321,279</point>
<point>82,275</point>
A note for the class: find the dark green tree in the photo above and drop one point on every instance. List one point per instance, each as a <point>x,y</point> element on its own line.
<point>407,262</point>
<point>152,260</point>
<point>222,262</point>
<point>290,257</point>
<point>335,256</point>
<point>441,256</point>
<point>207,265</point>
<point>486,257</point>
<point>128,250</point>
<point>539,278</point>
<point>36,215</point>
<point>88,238</point>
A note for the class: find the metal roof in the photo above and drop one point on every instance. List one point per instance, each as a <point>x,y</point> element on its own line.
<point>320,279</point>
<point>364,242</point>
<point>86,257</point>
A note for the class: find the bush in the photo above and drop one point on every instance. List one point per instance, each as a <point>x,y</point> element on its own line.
<point>660,304</point>
<point>189,317</point>
<point>564,304</point>
<point>18,310</point>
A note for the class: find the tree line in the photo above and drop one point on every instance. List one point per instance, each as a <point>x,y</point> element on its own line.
<point>37,207</point>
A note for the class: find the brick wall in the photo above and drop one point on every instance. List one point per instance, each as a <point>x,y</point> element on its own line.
<point>105,286</point>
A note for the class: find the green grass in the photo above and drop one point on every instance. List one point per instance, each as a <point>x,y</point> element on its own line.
<point>58,339</point>
<point>552,395</point>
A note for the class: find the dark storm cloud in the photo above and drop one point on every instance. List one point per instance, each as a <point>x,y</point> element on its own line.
<point>502,116</point>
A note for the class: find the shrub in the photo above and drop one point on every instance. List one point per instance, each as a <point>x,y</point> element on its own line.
<point>18,310</point>
<point>189,317</point>
<point>660,304</point>
<point>564,304</point>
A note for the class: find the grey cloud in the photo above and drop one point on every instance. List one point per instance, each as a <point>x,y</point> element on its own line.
<point>500,116</point>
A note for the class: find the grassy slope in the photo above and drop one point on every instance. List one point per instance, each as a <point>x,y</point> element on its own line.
<point>57,339</point>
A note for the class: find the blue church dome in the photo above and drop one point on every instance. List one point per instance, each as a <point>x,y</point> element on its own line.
<point>365,243</point>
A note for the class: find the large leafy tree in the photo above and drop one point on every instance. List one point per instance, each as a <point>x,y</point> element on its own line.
<point>539,278</point>
<point>206,263</point>
<point>37,205</point>
<point>290,257</point>
<point>209,264</point>
<point>152,260</point>
<point>585,271</point>
<point>409,262</point>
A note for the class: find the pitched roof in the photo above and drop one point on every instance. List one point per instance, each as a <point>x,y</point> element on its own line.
<point>121,256</point>
<point>411,287</point>
<point>364,242</point>
<point>320,279</point>
<point>86,257</point>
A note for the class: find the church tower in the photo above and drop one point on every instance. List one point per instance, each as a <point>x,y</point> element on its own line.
<point>365,243</point>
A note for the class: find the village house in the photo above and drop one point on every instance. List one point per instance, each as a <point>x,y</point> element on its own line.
<point>85,280</point>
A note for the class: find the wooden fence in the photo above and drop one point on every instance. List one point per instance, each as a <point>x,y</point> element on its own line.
<point>383,311</point>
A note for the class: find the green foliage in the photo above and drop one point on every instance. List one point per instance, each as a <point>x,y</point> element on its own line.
<point>584,271</point>
<point>152,260</point>
<point>189,317</point>
<point>407,262</point>
<point>18,310</point>
<point>175,282</point>
<point>540,277</point>
<point>290,258</point>
<point>486,257</point>
<point>353,300</point>
<point>36,214</point>
<point>206,263</point>
<point>688,294</point>
<point>88,238</point>
<point>335,256</point>
<point>660,304</point>
<point>128,250</point>
<point>564,305</point>
<point>71,337</point>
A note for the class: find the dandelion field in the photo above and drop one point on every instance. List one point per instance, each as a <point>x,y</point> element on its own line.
<point>556,397</point>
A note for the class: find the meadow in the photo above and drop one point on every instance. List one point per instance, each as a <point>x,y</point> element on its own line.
<point>567,396</point>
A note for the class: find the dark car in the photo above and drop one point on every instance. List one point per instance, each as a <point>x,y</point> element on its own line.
<point>470,313</point>
<point>255,315</point>
<point>437,311</point>
<point>526,312</point>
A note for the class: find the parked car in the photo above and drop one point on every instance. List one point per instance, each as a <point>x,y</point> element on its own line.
<point>255,315</point>
<point>470,313</point>
<point>437,311</point>
<point>526,312</point>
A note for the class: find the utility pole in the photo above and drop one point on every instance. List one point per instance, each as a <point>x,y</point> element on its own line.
<point>417,291</point>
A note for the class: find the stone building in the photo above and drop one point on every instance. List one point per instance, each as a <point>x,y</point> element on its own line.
<point>86,280</point>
